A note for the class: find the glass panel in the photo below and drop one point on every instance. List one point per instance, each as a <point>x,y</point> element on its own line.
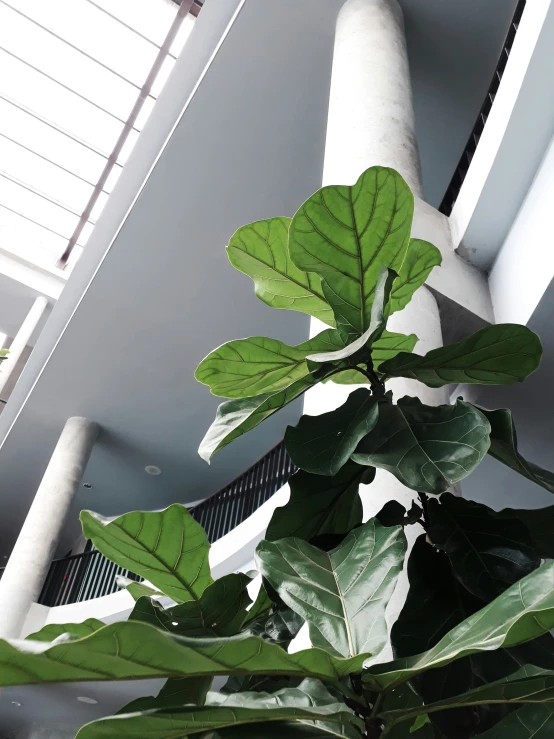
<point>43,176</point>
<point>51,101</point>
<point>17,198</point>
<point>152,18</point>
<point>53,57</point>
<point>87,28</point>
<point>45,140</point>
<point>29,240</point>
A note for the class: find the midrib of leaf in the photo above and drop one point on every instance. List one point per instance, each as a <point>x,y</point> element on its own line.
<point>343,606</point>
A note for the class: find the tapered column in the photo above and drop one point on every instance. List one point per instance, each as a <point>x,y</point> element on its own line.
<point>34,549</point>
<point>22,339</point>
<point>371,122</point>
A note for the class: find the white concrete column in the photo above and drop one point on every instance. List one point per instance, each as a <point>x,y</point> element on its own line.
<point>34,549</point>
<point>371,122</point>
<point>21,339</point>
<point>371,117</point>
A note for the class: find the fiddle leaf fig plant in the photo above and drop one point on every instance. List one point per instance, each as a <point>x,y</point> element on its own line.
<point>472,654</point>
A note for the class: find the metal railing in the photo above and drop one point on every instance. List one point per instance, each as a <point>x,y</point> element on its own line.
<point>458,178</point>
<point>90,575</point>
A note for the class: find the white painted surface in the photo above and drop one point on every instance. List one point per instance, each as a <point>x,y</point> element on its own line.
<point>21,339</point>
<point>34,549</point>
<point>506,156</point>
<point>525,264</point>
<point>50,283</point>
<point>371,117</point>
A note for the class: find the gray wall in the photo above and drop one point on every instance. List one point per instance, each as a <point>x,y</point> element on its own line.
<point>453,47</point>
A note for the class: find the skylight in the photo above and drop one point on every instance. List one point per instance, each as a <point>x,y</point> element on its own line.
<point>71,73</point>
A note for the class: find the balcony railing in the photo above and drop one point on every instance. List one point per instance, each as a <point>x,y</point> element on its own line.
<point>90,575</point>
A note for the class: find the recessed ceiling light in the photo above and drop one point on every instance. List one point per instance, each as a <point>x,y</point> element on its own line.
<point>16,703</point>
<point>86,699</point>
<point>151,469</point>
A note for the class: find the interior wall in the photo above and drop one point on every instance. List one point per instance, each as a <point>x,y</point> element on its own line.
<point>449,92</point>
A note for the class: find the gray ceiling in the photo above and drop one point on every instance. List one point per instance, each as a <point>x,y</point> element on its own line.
<point>250,145</point>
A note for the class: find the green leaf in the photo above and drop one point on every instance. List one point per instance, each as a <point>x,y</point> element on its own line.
<point>489,552</point>
<point>175,692</point>
<point>539,523</point>
<point>387,347</point>
<point>359,349</point>
<point>260,250</point>
<point>168,548</point>
<point>403,700</point>
<point>139,590</point>
<point>320,505</point>
<point>530,722</point>
<point>346,234</point>
<point>504,448</point>
<point>495,355</point>
<point>74,631</point>
<point>428,448</point>
<point>276,730</point>
<point>342,594</point>
<point>136,651</point>
<point>249,367</point>
<point>236,417</point>
<point>421,721</point>
<point>261,606</point>
<point>420,259</point>
<point>279,627</point>
<point>521,613</point>
<point>323,444</point>
<point>220,611</point>
<point>309,702</point>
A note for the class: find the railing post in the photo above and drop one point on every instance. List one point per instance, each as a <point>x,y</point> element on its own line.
<point>32,554</point>
<point>21,339</point>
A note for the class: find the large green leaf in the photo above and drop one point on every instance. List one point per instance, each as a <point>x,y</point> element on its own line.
<point>309,702</point>
<point>236,417</point>
<point>220,611</point>
<point>387,347</point>
<point>323,444</point>
<point>359,350</point>
<point>168,548</point>
<point>342,594</point>
<point>529,722</point>
<point>134,651</point>
<point>504,448</point>
<point>249,367</point>
<point>428,448</point>
<point>175,692</point>
<point>489,552</point>
<point>320,505</point>
<point>76,631</point>
<point>420,259</point>
<point>495,355</point>
<point>521,613</point>
<point>346,234</point>
<point>435,604</point>
<point>277,730</point>
<point>528,685</point>
<point>260,250</point>
<point>539,523</point>
<point>278,627</point>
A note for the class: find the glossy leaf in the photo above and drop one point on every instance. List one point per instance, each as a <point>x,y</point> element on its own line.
<point>220,610</point>
<point>134,651</point>
<point>175,692</point>
<point>278,627</point>
<point>139,590</point>
<point>52,631</point>
<point>249,367</point>
<point>168,548</point>
<point>428,448</point>
<point>323,444</point>
<point>386,347</point>
<point>539,523</point>
<point>489,552</point>
<point>277,730</point>
<point>346,234</point>
<point>403,700</point>
<point>321,505</point>
<point>260,250</point>
<point>236,417</point>
<point>504,448</point>
<point>309,702</point>
<point>529,722</point>
<point>421,258</point>
<point>495,355</point>
<point>261,606</point>
<point>342,594</point>
<point>379,315</point>
<point>521,613</point>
